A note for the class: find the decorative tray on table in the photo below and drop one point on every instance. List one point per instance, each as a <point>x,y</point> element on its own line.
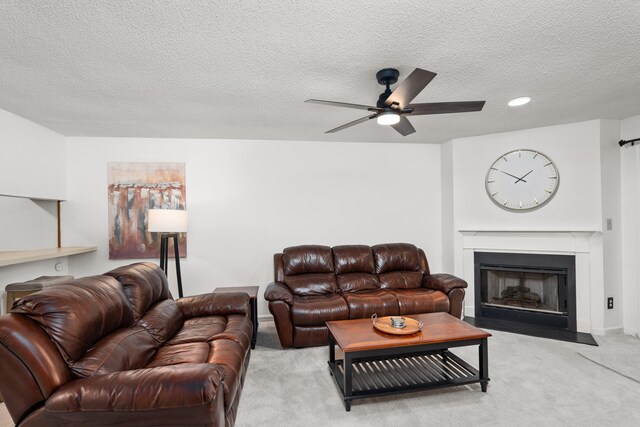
<point>396,325</point>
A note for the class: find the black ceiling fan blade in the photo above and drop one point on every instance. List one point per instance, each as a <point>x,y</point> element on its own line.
<point>445,107</point>
<point>404,127</point>
<point>342,104</point>
<point>410,88</point>
<point>353,123</point>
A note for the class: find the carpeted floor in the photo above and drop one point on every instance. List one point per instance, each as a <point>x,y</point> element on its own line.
<point>534,381</point>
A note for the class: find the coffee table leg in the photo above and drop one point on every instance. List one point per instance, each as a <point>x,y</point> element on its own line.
<point>484,364</point>
<point>332,353</point>
<point>347,382</point>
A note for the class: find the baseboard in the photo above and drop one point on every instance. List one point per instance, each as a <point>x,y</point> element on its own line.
<point>631,331</point>
<point>265,317</point>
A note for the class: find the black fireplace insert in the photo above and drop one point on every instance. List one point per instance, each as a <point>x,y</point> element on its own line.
<point>534,289</point>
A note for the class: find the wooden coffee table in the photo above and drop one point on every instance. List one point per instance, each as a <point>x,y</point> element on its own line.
<point>376,363</point>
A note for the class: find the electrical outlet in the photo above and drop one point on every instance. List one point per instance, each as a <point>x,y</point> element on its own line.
<point>610,303</point>
<point>609,224</point>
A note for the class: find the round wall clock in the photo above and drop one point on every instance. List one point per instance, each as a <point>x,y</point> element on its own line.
<point>522,180</point>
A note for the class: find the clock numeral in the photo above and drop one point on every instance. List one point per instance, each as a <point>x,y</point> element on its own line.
<point>494,169</point>
<point>548,164</point>
<point>505,202</point>
<point>520,204</point>
<point>536,155</point>
<point>552,177</point>
<point>547,191</point>
<point>489,182</point>
<point>505,159</point>
<point>494,194</point>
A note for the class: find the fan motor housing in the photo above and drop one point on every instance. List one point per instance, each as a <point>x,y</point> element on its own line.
<point>387,76</point>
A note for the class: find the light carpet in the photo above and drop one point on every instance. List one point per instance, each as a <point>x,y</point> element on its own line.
<point>534,381</point>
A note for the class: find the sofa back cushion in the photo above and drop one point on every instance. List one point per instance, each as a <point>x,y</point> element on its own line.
<point>308,270</point>
<point>355,267</point>
<point>396,257</point>
<point>307,259</point>
<point>144,284</point>
<point>353,259</point>
<point>78,314</point>
<point>398,265</point>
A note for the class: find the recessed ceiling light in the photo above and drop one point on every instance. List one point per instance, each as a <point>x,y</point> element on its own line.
<point>516,102</point>
<point>388,118</point>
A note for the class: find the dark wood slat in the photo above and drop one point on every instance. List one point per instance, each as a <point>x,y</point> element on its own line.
<point>410,88</point>
<point>445,107</point>
<point>436,368</point>
<point>408,380</point>
<point>425,371</point>
<point>404,126</point>
<point>417,369</point>
<point>382,372</point>
<point>353,123</point>
<point>342,104</point>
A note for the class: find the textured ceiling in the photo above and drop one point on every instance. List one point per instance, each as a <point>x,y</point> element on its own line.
<point>242,69</point>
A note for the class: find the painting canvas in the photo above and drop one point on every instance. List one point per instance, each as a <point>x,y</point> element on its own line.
<point>133,189</point>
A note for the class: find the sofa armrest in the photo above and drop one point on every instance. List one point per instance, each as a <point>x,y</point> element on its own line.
<point>213,304</point>
<point>139,390</point>
<point>443,282</point>
<point>278,291</point>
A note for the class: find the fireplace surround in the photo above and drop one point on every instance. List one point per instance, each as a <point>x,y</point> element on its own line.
<point>585,246</point>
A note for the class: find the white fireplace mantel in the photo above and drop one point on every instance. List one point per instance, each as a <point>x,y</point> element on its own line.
<point>585,245</point>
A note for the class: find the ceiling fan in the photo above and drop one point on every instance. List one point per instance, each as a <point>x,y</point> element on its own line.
<point>393,107</point>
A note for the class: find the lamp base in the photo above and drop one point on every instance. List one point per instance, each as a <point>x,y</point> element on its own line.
<point>164,257</point>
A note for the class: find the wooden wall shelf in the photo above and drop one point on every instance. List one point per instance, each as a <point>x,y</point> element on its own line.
<point>19,257</point>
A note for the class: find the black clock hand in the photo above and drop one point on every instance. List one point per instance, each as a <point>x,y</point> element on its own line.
<point>523,176</point>
<point>513,176</point>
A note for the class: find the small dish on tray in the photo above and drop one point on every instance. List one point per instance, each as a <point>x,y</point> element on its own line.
<point>384,324</point>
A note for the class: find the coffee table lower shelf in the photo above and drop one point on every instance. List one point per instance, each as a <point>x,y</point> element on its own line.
<point>380,376</point>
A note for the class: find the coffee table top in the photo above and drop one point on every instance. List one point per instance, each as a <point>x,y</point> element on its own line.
<point>360,335</point>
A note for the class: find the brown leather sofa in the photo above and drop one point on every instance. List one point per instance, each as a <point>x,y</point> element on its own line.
<point>315,284</point>
<point>117,349</point>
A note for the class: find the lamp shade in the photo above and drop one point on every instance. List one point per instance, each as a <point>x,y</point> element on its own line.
<point>168,221</point>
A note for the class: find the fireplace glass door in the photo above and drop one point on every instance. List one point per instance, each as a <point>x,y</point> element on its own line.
<point>534,290</point>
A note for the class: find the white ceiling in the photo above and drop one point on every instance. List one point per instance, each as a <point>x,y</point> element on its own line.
<point>242,69</point>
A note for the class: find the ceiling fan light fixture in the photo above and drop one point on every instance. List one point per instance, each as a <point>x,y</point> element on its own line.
<point>517,102</point>
<point>388,118</point>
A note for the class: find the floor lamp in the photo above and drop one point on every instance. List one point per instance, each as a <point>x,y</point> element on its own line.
<point>169,222</point>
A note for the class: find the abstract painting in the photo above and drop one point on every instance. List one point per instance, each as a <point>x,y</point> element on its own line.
<point>133,189</point>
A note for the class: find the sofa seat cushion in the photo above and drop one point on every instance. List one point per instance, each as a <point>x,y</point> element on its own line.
<point>235,327</point>
<point>230,356</point>
<point>192,352</point>
<point>365,304</point>
<point>316,310</point>
<point>414,301</point>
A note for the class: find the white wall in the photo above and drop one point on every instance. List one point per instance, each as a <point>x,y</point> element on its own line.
<point>630,194</point>
<point>576,150</point>
<point>611,209</point>
<point>32,164</point>
<point>249,199</point>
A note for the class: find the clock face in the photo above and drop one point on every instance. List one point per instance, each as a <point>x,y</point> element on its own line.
<point>522,180</point>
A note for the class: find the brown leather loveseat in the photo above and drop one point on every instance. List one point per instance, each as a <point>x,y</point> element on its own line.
<point>117,349</point>
<point>315,284</point>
